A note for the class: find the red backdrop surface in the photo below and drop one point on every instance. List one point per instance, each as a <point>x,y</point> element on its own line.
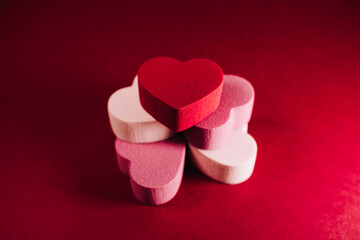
<point>61,60</point>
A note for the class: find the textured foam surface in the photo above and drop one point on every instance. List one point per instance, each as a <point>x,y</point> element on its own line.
<point>155,169</point>
<point>180,94</point>
<point>234,112</point>
<point>233,163</point>
<point>130,122</point>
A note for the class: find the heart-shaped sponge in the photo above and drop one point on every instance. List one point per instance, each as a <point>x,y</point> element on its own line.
<point>180,94</point>
<point>234,112</point>
<point>233,163</point>
<point>155,169</point>
<point>130,122</point>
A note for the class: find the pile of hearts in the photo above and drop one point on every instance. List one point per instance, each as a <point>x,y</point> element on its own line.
<point>172,104</point>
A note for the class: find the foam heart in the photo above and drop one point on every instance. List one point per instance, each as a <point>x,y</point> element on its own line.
<point>155,169</point>
<point>234,112</point>
<point>180,94</point>
<point>130,122</point>
<point>233,163</point>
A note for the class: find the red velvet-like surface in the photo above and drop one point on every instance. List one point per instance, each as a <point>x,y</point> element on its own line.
<point>60,61</point>
<point>180,94</point>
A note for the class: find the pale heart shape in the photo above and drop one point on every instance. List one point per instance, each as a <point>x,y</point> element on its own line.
<point>130,122</point>
<point>233,163</point>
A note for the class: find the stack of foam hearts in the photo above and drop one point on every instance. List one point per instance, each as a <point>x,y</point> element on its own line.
<point>211,110</point>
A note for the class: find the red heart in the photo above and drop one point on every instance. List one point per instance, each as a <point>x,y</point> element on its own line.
<point>180,94</point>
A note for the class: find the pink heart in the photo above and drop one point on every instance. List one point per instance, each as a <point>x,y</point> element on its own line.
<point>234,112</point>
<point>155,169</point>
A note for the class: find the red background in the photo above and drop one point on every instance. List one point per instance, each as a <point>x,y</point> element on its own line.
<point>61,60</point>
